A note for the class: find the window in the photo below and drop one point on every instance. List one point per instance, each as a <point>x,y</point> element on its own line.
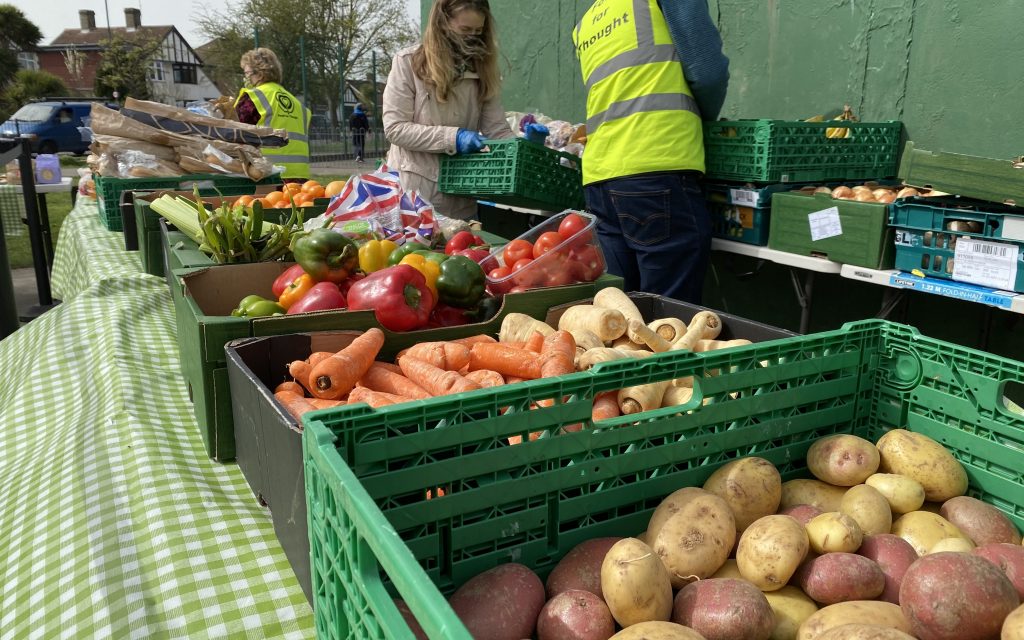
<point>28,60</point>
<point>156,71</point>
<point>184,73</point>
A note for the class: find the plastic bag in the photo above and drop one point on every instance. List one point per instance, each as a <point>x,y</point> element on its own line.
<point>86,185</point>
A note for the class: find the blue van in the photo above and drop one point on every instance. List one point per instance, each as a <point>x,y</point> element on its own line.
<point>54,123</point>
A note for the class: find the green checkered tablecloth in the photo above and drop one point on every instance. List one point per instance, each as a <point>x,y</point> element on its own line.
<point>113,522</point>
<point>12,208</point>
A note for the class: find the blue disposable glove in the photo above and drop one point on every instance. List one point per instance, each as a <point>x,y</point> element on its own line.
<point>467,141</point>
<point>536,132</point>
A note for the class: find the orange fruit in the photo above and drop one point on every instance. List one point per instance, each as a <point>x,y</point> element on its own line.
<point>267,204</point>
<point>283,205</point>
<point>243,201</point>
<point>307,203</point>
<point>292,188</point>
<point>334,188</point>
<point>274,197</point>
<point>316,192</point>
<point>310,184</point>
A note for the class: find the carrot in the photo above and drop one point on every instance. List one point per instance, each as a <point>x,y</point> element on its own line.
<point>317,357</point>
<point>294,404</point>
<point>335,376</point>
<point>471,340</point>
<point>557,358</point>
<point>535,343</point>
<point>606,405</point>
<point>435,380</point>
<point>513,379</point>
<point>380,378</point>
<point>486,378</point>
<point>508,361</point>
<point>514,440</point>
<point>320,403</point>
<point>394,368</point>
<point>293,387</point>
<point>375,398</point>
<point>449,356</point>
<point>300,370</point>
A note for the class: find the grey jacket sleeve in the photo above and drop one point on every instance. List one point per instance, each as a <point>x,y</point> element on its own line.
<point>399,108</point>
<point>700,49</point>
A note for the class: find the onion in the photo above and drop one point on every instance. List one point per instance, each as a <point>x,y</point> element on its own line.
<point>860,188</point>
<point>864,196</point>
<point>822,190</point>
<point>886,197</point>
<point>907,192</point>
<point>878,193</point>
<point>842,192</point>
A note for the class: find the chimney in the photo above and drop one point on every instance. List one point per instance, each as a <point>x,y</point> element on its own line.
<point>87,19</point>
<point>132,18</point>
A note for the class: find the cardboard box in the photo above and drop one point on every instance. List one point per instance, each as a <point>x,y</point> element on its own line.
<point>269,441</point>
<point>841,230</point>
<point>202,310</point>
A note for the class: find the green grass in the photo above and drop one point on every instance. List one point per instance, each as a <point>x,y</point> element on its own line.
<point>19,249</point>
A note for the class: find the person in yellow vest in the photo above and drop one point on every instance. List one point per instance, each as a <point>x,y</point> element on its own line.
<point>652,69</point>
<point>263,101</point>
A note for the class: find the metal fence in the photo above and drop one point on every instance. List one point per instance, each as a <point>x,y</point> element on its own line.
<point>336,144</point>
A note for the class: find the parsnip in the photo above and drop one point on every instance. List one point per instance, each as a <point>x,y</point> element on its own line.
<point>715,345</point>
<point>612,298</point>
<point>670,329</point>
<point>518,327</point>
<point>675,396</point>
<point>644,397</point>
<point>706,325</point>
<point>605,354</point>
<point>624,342</point>
<point>640,333</point>
<point>607,324</point>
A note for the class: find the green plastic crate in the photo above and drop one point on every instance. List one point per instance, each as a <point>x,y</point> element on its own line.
<point>989,179</point>
<point>517,173</point>
<point>374,536</point>
<point>925,242</point>
<point>108,190</point>
<point>783,151</point>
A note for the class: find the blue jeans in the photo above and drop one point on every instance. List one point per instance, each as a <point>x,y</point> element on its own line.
<point>655,231</point>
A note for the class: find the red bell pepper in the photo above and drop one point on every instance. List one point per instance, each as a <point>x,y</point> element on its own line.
<point>321,297</point>
<point>462,240</point>
<point>287,277</point>
<point>398,296</point>
<point>445,315</point>
<point>480,256</point>
<point>347,283</point>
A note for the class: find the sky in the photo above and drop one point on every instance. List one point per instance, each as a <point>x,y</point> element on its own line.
<point>53,16</point>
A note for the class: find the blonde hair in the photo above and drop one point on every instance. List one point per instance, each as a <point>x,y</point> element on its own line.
<point>437,60</point>
<point>263,63</point>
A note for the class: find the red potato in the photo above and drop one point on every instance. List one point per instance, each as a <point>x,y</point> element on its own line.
<point>1010,560</point>
<point>956,596</point>
<point>840,577</point>
<point>981,522</point>
<point>894,556</point>
<point>501,603</point>
<point>580,568</point>
<point>803,513</point>
<point>575,615</point>
<point>410,619</point>
<point>724,609</point>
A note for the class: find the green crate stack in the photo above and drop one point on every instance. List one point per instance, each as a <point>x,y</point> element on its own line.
<point>771,151</point>
<point>108,190</point>
<point>995,180</point>
<point>517,173</point>
<point>374,536</point>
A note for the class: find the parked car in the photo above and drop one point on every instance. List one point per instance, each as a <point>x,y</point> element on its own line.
<point>54,123</point>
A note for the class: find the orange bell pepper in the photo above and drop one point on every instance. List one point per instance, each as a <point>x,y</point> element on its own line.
<point>295,290</point>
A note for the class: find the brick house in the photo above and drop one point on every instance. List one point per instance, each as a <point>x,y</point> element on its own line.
<point>176,76</point>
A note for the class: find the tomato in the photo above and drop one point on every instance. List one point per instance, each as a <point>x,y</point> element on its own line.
<point>517,250</point>
<point>559,277</point>
<point>586,263</point>
<point>571,225</point>
<point>496,280</point>
<point>519,264</point>
<point>546,242</point>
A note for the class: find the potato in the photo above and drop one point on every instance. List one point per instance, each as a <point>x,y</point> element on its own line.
<point>770,550</point>
<point>868,507</point>
<point>791,607</point>
<point>922,529</point>
<point>980,522</point>
<point>635,583</point>
<point>803,513</point>
<point>903,494</point>
<point>834,531</point>
<point>884,614</point>
<point>752,487</point>
<point>956,596</point>
<point>729,570</point>
<point>580,568</point>
<point>953,545</point>
<point>1010,560</point>
<point>657,631</point>
<point>840,577</point>
<point>1013,626</point>
<point>724,609</point>
<point>894,555</point>
<point>843,460</point>
<point>917,456</point>
<point>501,603</point>
<point>864,632</point>
<point>575,615</point>
<point>694,541</point>
<point>410,619</point>
<point>816,493</point>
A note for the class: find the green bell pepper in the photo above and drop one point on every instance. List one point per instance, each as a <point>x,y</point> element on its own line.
<point>326,255</point>
<point>433,256</point>
<point>257,307</point>
<point>461,282</point>
<point>396,256</point>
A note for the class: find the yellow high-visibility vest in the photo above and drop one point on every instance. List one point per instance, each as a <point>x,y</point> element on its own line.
<point>279,109</point>
<point>641,115</point>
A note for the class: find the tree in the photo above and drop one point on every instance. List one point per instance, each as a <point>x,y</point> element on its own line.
<point>28,84</point>
<point>17,33</point>
<point>124,66</point>
<point>356,27</point>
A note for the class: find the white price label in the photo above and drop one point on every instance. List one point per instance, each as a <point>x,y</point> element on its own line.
<point>746,197</point>
<point>990,264</point>
<point>825,224</point>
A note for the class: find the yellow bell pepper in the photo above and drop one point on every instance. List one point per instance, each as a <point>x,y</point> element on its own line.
<point>430,270</point>
<point>373,255</point>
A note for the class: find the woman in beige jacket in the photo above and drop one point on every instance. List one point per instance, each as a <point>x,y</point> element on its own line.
<point>442,94</point>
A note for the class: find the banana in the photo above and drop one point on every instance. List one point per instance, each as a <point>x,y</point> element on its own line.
<point>841,132</point>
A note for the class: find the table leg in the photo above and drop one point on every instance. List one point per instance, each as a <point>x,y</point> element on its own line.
<point>986,327</point>
<point>804,295</point>
<point>44,223</point>
<point>891,299</point>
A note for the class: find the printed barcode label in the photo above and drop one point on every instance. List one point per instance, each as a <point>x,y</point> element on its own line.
<point>990,264</point>
<point>744,196</point>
